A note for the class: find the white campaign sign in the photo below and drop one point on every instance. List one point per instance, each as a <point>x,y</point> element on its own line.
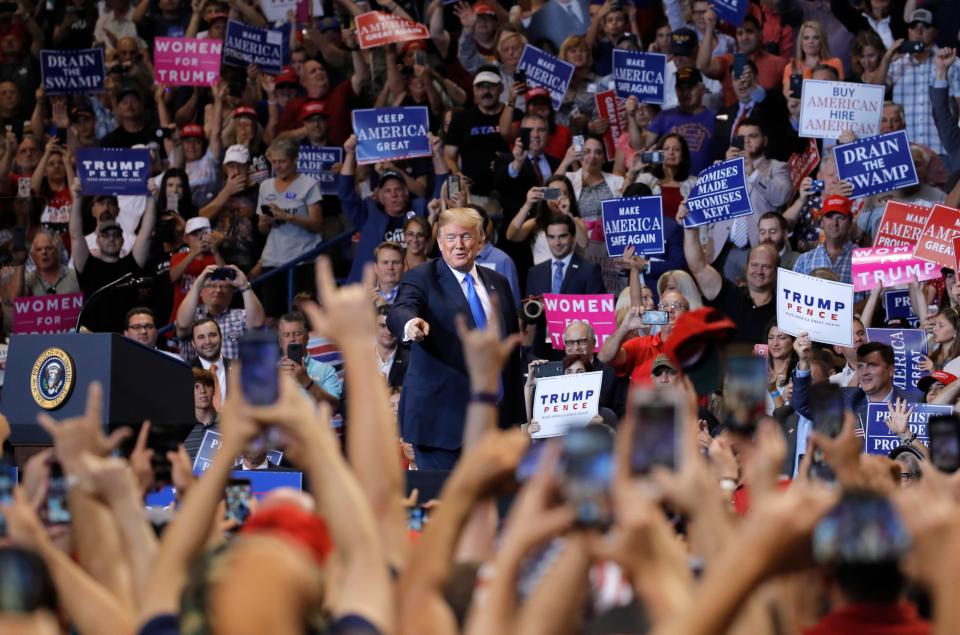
<point>829,108</point>
<point>565,401</point>
<point>276,10</point>
<point>822,308</point>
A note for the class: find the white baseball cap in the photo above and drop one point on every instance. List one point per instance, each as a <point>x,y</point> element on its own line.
<point>237,154</point>
<point>196,223</point>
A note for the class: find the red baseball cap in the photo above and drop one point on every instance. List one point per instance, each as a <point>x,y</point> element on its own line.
<point>941,376</point>
<point>287,76</point>
<point>192,130</point>
<point>482,8</point>
<point>312,109</point>
<point>838,205</point>
<point>535,93</point>
<point>695,343</point>
<point>412,45</point>
<point>245,111</point>
<point>218,16</point>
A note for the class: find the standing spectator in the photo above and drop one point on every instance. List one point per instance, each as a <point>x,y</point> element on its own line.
<point>51,180</point>
<point>131,119</point>
<point>579,108</point>
<point>883,17</point>
<point>812,51</point>
<point>478,39</point>
<point>392,358</point>
<point>387,269</point>
<point>51,275</point>
<point>203,410</point>
<point>557,20</point>
<point>208,343</point>
<point>185,267</point>
<point>694,122</point>
<point>836,251</point>
<point>336,100</point>
<point>530,222</point>
<point>669,178</point>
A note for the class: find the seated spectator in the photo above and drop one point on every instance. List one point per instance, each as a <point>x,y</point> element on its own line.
<point>318,379</point>
<point>207,416</point>
<point>51,275</point>
<point>141,326</point>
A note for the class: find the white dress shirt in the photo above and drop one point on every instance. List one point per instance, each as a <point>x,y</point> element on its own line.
<point>221,375</point>
<point>478,285</point>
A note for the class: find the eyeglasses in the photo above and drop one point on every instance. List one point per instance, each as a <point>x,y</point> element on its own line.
<point>141,327</point>
<point>906,477</point>
<point>451,239</point>
<point>673,307</point>
<point>576,343</point>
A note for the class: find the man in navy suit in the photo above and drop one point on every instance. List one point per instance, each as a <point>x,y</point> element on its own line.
<point>565,272</point>
<point>436,389</point>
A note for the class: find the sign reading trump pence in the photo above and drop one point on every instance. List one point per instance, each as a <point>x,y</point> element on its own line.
<point>564,402</point>
<point>720,194</point>
<point>113,170</point>
<point>822,308</point>
<point>829,108</point>
<point>389,134</point>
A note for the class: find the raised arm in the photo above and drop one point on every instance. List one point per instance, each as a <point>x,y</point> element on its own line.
<point>188,308</point>
<point>710,66</point>
<point>141,246</point>
<point>612,350</point>
<point>78,242</point>
<point>708,278</point>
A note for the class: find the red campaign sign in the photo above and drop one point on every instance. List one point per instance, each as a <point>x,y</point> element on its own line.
<point>376,28</point>
<point>802,164</point>
<point>901,225</point>
<point>611,108</point>
<point>956,251</point>
<point>936,239</point>
<point>47,313</point>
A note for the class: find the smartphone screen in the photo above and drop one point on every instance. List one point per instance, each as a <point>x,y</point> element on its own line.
<point>416,518</point>
<point>945,443</point>
<point>238,493</point>
<point>578,142</point>
<point>420,57</point>
<point>295,352</point>
<point>525,138</point>
<point>265,210</point>
<point>530,462</point>
<point>738,142</point>
<point>796,85</point>
<point>656,439</point>
<point>62,136</point>
<point>745,390</point>
<point>652,157</point>
<point>863,528</point>
<point>587,468</point>
<point>7,483</point>
<point>826,408</point>
<point>56,510</point>
<point>655,317</point>
<point>259,356</point>
<point>551,193</point>
<point>453,185</point>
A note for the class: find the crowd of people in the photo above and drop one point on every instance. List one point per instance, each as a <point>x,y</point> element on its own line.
<point>721,483</point>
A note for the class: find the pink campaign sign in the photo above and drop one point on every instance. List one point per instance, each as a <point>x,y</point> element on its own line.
<point>47,313</point>
<point>186,61</point>
<point>889,266</point>
<point>597,309</point>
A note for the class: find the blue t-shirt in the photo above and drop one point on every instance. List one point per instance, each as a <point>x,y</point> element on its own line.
<point>697,130</point>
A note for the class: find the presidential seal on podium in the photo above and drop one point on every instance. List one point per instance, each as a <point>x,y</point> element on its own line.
<point>52,378</point>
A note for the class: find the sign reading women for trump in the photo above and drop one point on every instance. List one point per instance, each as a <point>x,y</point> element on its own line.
<point>827,109</point>
<point>186,61</point>
<point>880,439</point>
<point>639,74</point>
<point>376,28</point>
<point>562,308</point>
<point>909,346</point>
<point>936,238</point>
<point>564,402</point>
<point>72,72</point>
<point>720,194</point>
<point>245,45</point>
<point>316,162</point>
<point>113,170</point>
<point>822,308</point>
<point>388,134</point>
<point>888,267</point>
<point>876,164</point>
<point>548,71</point>
<point>47,313</point>
<point>901,225</point>
<point>636,221</point>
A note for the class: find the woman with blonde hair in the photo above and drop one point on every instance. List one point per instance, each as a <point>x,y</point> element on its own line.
<point>682,282</point>
<point>579,107</point>
<point>812,50</point>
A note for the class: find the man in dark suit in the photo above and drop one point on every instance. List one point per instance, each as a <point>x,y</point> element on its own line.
<point>565,272</point>
<point>514,175</point>
<point>437,389</point>
<point>557,20</point>
<point>393,359</point>
<point>208,342</point>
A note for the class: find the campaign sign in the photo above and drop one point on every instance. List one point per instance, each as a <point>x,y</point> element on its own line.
<point>876,164</point>
<point>564,402</point>
<point>245,45</point>
<point>720,194</point>
<point>731,11</point>
<point>113,170</point>
<point>596,309</point>
<point>827,109</point>
<point>901,225</point>
<point>909,346</point>
<point>376,28</point>
<point>639,74</point>
<point>316,162</point>
<point>186,61</point>
<point>262,482</point>
<point>46,313</point>
<point>936,238</point>
<point>390,134</point>
<point>802,164</point>
<point>72,72</point>
<point>888,267</point>
<point>611,108</point>
<point>548,71</point>
<point>636,221</point>
<point>896,304</point>
<point>211,442</point>
<point>276,10</point>
<point>822,308</point>
<point>881,440</point>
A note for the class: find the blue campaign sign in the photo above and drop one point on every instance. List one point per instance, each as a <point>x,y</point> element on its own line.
<point>896,304</point>
<point>113,170</point>
<point>390,134</point>
<point>72,72</point>
<point>245,45</point>
<point>639,74</point>
<point>316,161</point>
<point>636,221</point>
<point>876,164</point>
<point>731,11</point>
<point>262,482</point>
<point>879,438</point>
<point>909,346</point>
<point>545,70</point>
<point>211,443</point>
<point>720,194</point>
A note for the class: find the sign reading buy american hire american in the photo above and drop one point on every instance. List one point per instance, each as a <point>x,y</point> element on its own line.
<point>827,109</point>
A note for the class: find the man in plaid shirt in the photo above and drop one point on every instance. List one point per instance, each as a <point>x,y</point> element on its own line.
<point>912,76</point>
<point>836,251</point>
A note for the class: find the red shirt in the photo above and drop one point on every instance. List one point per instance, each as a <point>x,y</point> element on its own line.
<point>769,73</point>
<point>641,351</point>
<point>182,286</point>
<point>872,619</point>
<point>337,105</point>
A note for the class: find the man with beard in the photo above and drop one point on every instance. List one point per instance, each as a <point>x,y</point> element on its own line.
<point>772,230</point>
<point>751,307</point>
<point>208,342</point>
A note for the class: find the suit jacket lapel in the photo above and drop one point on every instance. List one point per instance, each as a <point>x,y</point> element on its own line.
<point>454,292</point>
<point>492,290</point>
<point>571,272</point>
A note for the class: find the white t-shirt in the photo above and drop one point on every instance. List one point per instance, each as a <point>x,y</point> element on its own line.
<point>287,240</point>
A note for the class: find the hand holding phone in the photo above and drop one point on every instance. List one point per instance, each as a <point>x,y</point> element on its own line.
<point>653,318</point>
<point>587,473</point>
<point>657,429</point>
<point>259,357</point>
<point>239,495</point>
